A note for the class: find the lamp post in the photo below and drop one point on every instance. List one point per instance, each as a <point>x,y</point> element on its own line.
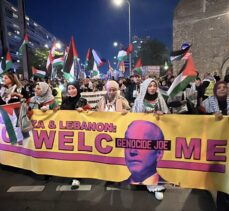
<point>115,44</point>
<point>120,3</point>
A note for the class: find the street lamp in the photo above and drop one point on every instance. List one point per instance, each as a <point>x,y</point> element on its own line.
<point>119,3</point>
<point>166,67</point>
<point>115,44</point>
<point>58,45</point>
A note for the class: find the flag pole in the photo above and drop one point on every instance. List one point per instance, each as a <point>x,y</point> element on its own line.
<point>21,11</point>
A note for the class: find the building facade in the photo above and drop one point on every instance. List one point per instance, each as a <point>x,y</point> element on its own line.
<point>39,37</point>
<point>205,25</point>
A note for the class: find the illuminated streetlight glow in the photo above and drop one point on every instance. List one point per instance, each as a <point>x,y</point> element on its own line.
<point>166,67</point>
<point>115,44</point>
<point>118,3</point>
<point>58,45</point>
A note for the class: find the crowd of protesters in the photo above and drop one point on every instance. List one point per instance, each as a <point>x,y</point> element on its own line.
<point>206,95</point>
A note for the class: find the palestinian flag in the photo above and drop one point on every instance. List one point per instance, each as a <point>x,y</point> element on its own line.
<point>8,62</point>
<point>58,61</point>
<point>130,48</point>
<point>187,74</point>
<point>178,55</point>
<point>25,42</point>
<point>9,121</point>
<point>122,67</point>
<point>95,72</point>
<point>89,60</point>
<point>123,54</point>
<point>111,68</point>
<point>38,73</point>
<point>138,67</point>
<point>71,58</point>
<point>50,58</point>
<point>98,61</point>
<point>68,77</point>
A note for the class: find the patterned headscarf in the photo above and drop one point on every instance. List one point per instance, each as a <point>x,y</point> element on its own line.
<point>46,94</point>
<point>139,102</point>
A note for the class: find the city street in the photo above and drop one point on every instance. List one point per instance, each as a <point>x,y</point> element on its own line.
<point>24,190</point>
<point>135,92</point>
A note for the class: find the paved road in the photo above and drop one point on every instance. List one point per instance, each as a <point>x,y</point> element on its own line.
<point>24,190</point>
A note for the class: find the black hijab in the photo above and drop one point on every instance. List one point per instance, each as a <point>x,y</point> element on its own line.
<point>69,103</point>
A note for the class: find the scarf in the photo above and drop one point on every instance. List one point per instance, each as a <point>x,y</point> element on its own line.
<point>46,94</point>
<point>5,92</point>
<point>214,104</point>
<point>152,105</point>
<point>150,97</point>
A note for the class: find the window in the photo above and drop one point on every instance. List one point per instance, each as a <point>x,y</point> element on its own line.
<point>16,26</point>
<point>15,15</point>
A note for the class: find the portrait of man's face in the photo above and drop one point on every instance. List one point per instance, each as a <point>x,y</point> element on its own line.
<point>142,163</point>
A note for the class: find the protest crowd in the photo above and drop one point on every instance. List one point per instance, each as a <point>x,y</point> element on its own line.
<point>146,93</point>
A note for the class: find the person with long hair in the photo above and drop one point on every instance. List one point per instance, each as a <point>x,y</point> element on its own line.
<point>12,90</point>
<point>218,104</point>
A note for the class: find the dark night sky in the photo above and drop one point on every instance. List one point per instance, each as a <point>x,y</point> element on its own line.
<point>98,23</point>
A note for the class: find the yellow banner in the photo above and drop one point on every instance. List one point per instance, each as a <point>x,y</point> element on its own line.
<point>187,150</point>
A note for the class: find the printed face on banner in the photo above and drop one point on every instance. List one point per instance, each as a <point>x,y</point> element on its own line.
<point>142,163</point>
<point>128,149</point>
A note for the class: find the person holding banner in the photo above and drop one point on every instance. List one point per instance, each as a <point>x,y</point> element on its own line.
<point>218,104</point>
<point>12,90</point>
<point>73,96</point>
<point>112,101</point>
<point>43,99</point>
<point>73,102</point>
<point>150,101</point>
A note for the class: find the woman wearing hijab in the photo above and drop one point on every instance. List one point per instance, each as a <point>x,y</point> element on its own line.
<point>43,99</point>
<point>149,100</point>
<point>69,102</point>
<point>72,102</point>
<point>113,101</point>
<point>218,104</point>
<point>12,90</point>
